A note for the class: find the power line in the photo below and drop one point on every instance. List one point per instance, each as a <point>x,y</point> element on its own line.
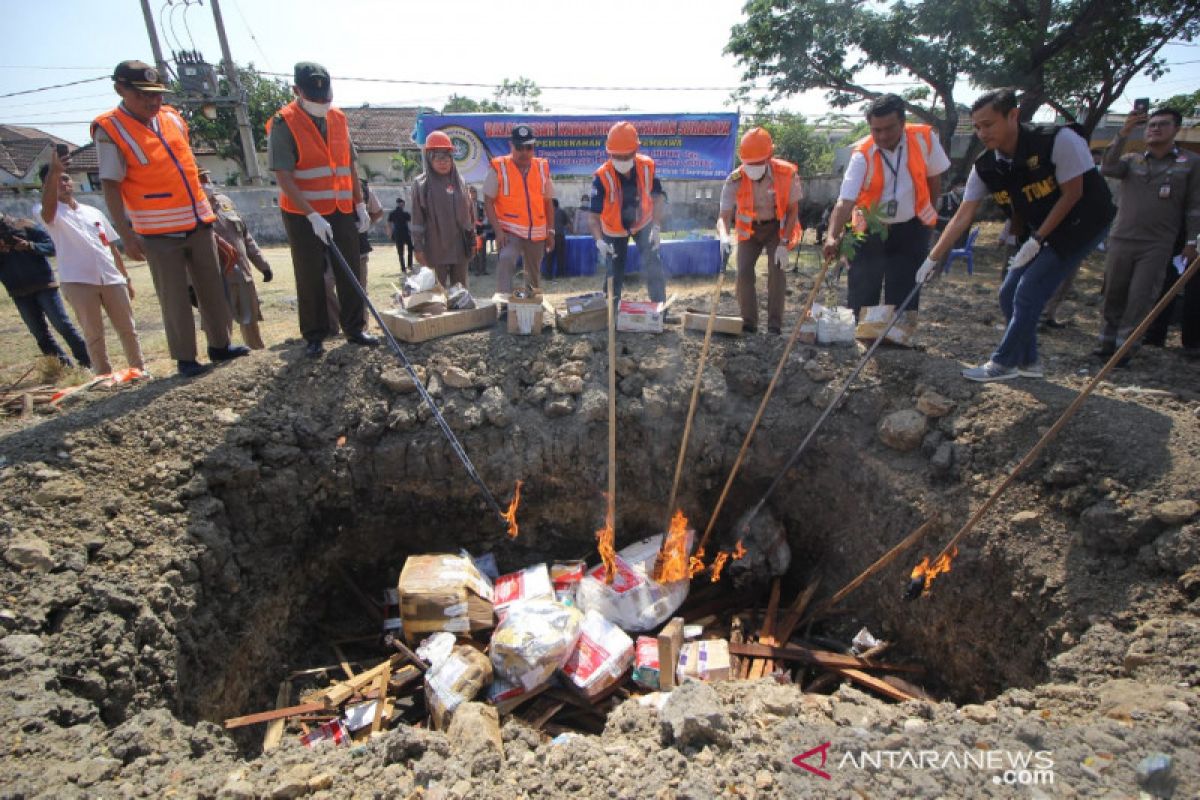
<point>56,86</point>
<point>57,100</point>
<point>38,66</point>
<point>253,38</point>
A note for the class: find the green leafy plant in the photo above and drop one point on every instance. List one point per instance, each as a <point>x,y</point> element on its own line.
<point>872,223</point>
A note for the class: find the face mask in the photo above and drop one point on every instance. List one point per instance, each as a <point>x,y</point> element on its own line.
<point>622,165</point>
<point>754,171</point>
<point>314,108</point>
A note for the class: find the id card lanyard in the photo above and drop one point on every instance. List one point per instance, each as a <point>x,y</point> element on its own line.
<point>893,205</point>
<point>1164,188</point>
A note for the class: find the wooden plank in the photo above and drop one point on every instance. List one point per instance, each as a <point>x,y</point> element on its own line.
<point>762,667</point>
<point>336,695</point>
<point>342,661</point>
<point>670,641</point>
<point>791,620</point>
<point>278,713</point>
<point>510,705</point>
<point>821,658</point>
<point>274,734</point>
<point>381,686</point>
<point>735,637</point>
<point>875,684</point>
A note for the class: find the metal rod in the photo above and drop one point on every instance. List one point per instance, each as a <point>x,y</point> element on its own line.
<point>745,524</point>
<point>612,407</point>
<point>812,296</point>
<point>408,367</point>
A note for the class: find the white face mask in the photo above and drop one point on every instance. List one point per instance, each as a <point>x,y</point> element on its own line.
<point>622,165</point>
<point>314,108</point>
<point>754,171</point>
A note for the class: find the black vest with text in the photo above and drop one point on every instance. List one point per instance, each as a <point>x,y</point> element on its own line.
<point>1028,190</point>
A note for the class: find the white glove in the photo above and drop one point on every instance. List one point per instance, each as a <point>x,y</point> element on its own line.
<point>321,227</point>
<point>726,246</point>
<point>604,249</point>
<point>364,219</point>
<point>655,236</point>
<point>1027,253</point>
<point>781,255</point>
<point>927,269</point>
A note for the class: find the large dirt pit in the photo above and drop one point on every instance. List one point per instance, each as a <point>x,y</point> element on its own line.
<point>172,552</point>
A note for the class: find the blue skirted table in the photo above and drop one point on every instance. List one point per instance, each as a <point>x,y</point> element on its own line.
<point>679,256</point>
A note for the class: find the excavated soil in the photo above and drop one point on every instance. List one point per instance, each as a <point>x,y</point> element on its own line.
<point>172,551</point>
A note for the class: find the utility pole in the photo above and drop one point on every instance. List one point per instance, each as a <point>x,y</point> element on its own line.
<point>159,63</point>
<point>240,108</point>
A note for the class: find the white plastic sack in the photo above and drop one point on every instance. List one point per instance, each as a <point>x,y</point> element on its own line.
<point>835,326</point>
<point>424,280</point>
<point>634,601</point>
<point>535,638</point>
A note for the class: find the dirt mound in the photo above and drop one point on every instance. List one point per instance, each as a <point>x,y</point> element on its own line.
<point>171,551</point>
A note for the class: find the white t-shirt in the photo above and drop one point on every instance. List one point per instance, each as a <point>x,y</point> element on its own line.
<point>1070,155</point>
<point>902,191</point>
<point>81,254</point>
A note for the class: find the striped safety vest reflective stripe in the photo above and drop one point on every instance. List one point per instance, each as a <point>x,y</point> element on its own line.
<point>610,213</point>
<point>919,143</point>
<point>161,189</point>
<point>781,173</point>
<point>521,198</point>
<point>323,173</point>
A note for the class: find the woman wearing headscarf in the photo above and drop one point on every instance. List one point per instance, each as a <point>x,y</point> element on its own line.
<point>443,222</point>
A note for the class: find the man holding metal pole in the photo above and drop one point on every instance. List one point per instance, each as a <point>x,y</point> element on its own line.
<point>1045,181</point>
<point>310,152</point>
<point>761,198</point>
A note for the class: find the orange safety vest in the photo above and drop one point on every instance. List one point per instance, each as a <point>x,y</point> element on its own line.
<point>610,214</point>
<point>322,173</point>
<point>161,189</point>
<point>521,198</point>
<point>920,143</point>
<point>782,173</point>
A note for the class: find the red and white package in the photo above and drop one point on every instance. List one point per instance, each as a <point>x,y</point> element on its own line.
<point>531,583</point>
<point>645,662</point>
<point>566,575</point>
<point>334,732</point>
<point>601,655</point>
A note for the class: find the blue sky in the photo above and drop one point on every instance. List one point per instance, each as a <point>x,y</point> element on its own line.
<point>554,42</point>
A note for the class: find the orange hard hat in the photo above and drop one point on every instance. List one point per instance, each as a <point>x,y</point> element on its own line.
<point>622,138</point>
<point>438,141</point>
<point>756,146</point>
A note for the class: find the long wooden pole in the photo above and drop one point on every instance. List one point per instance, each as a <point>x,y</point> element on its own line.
<point>612,408</point>
<point>787,351</point>
<point>1032,455</point>
<point>687,428</point>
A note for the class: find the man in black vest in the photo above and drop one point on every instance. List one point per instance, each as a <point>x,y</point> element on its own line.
<point>1044,179</point>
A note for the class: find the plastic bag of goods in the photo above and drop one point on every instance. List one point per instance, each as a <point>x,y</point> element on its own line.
<point>566,576</point>
<point>601,656</point>
<point>535,639</point>
<point>645,662</point>
<point>531,583</point>
<point>634,600</point>
<point>835,326</point>
<point>456,679</point>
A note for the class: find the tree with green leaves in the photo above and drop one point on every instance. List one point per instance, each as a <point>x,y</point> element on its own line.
<point>521,94</point>
<point>460,104</point>
<point>1186,104</point>
<point>795,140</point>
<point>264,96</point>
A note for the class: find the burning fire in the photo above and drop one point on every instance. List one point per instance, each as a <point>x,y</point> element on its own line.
<point>511,514</point>
<point>604,544</point>
<point>739,551</point>
<point>719,564</point>
<point>923,574</point>
<point>696,563</point>
<point>672,562</point>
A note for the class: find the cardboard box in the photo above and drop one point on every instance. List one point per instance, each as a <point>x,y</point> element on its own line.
<point>873,321</point>
<point>432,301</point>
<point>707,660</point>
<point>443,593</point>
<point>526,315</point>
<point>694,320</point>
<point>634,316</point>
<point>584,313</point>
<point>412,327</point>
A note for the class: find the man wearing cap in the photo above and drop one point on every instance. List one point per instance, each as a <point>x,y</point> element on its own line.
<point>518,195</point>
<point>761,199</point>
<point>896,171</point>
<point>310,152</point>
<point>628,201</point>
<point>158,207</point>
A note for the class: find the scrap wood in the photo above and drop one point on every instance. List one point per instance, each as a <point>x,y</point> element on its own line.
<point>382,687</point>
<point>735,637</point>
<point>877,684</point>
<point>792,619</point>
<point>541,712</point>
<point>274,734</point>
<point>278,713</point>
<point>766,634</point>
<point>670,641</point>
<point>339,693</point>
<point>342,661</point>
<point>820,658</point>
<point>414,659</point>
<point>510,705</point>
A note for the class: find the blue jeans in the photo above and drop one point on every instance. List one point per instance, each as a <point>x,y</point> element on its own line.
<point>47,305</point>
<point>1025,292</point>
<point>651,262</point>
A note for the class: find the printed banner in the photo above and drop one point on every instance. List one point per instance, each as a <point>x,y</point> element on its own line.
<point>683,146</point>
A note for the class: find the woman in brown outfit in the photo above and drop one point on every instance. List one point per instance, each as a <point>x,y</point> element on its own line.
<point>443,222</point>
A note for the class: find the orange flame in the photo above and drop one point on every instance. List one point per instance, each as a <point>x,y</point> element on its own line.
<point>604,544</point>
<point>739,551</point>
<point>672,562</point>
<point>696,563</point>
<point>719,564</point>
<point>511,515</point>
<point>927,573</point>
